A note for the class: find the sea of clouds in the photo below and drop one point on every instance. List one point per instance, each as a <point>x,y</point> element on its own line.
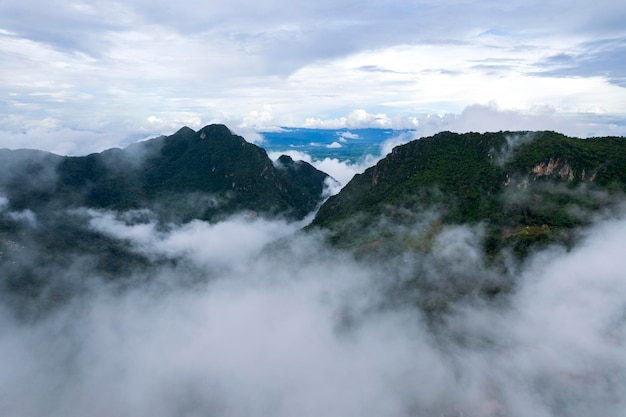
<point>255,318</point>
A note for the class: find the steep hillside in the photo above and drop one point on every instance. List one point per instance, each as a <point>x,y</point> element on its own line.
<point>48,204</point>
<point>206,174</point>
<point>524,188</point>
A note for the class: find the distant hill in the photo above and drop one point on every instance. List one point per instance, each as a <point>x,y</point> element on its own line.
<point>206,174</point>
<point>526,188</point>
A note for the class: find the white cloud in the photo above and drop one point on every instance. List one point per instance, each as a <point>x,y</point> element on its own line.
<point>25,216</point>
<point>334,145</point>
<point>490,117</point>
<point>355,119</point>
<point>348,135</point>
<point>224,243</point>
<point>259,119</point>
<point>158,67</point>
<point>251,135</point>
<point>295,155</point>
<point>262,333</point>
<point>341,171</point>
<point>387,146</point>
<point>49,134</point>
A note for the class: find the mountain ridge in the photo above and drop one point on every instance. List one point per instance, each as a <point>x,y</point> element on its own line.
<point>508,192</point>
<point>232,174</point>
<point>512,182</point>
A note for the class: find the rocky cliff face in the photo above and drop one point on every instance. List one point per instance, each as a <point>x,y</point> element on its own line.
<point>562,170</point>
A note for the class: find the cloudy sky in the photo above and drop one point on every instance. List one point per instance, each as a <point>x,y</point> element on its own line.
<point>84,76</point>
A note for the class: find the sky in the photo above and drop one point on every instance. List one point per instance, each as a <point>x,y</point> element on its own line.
<point>79,77</point>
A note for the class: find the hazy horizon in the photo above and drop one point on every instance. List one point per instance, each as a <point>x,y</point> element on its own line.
<point>79,77</point>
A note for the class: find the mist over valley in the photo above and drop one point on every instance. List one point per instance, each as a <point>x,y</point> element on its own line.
<point>198,274</point>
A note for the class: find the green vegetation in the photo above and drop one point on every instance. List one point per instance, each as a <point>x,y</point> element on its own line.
<point>527,189</point>
<point>516,192</point>
<point>210,174</point>
<point>207,174</point>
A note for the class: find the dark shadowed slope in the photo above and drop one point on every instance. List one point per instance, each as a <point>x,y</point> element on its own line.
<point>48,203</point>
<point>206,174</point>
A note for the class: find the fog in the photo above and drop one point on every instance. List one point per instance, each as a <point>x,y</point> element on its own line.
<point>257,319</point>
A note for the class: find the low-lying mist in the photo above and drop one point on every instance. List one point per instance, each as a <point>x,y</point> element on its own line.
<point>249,317</point>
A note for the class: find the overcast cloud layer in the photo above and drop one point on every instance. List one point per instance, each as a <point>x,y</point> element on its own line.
<point>84,76</point>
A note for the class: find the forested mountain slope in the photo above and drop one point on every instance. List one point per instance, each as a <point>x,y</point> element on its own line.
<point>49,203</point>
<point>524,188</point>
<point>206,174</point>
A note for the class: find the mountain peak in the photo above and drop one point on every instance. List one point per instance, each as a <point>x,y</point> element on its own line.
<point>185,130</point>
<point>207,174</point>
<point>285,160</point>
<point>217,130</point>
<point>523,188</point>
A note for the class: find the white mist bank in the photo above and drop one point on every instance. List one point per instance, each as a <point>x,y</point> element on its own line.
<point>298,330</point>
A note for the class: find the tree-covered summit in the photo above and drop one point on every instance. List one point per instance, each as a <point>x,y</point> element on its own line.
<point>205,174</point>
<point>523,187</point>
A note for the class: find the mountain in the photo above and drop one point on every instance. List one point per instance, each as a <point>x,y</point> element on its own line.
<point>48,204</point>
<point>208,174</point>
<point>472,196</point>
<point>526,189</point>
